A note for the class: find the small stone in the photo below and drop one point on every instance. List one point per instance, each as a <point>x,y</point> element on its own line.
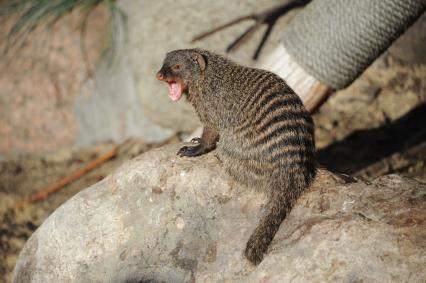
<point>157,190</point>
<point>180,223</point>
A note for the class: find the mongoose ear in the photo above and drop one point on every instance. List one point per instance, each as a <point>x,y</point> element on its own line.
<point>200,60</point>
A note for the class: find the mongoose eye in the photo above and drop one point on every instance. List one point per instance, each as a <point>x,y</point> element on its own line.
<point>176,67</point>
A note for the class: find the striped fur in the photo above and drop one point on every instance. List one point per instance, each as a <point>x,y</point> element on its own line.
<point>266,135</point>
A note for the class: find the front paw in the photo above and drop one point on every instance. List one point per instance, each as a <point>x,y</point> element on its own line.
<point>191,151</point>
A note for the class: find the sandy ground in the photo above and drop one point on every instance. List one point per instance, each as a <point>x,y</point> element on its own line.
<point>25,176</point>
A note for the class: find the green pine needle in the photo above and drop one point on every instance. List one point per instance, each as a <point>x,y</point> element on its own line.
<point>47,12</point>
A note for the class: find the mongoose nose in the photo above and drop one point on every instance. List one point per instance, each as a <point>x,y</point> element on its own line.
<point>159,76</point>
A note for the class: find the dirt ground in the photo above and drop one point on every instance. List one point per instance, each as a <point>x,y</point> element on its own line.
<point>375,126</point>
<point>24,176</point>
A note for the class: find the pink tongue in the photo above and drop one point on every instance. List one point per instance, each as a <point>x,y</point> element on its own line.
<point>175,91</point>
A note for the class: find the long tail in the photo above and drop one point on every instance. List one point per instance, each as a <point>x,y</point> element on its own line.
<point>280,202</point>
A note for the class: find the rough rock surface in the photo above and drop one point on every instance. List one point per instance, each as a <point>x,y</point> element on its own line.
<point>164,218</point>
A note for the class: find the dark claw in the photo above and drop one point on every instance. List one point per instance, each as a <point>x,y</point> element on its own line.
<point>196,140</point>
<point>191,151</point>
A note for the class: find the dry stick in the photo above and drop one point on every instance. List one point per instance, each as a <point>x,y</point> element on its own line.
<point>312,92</point>
<point>243,37</point>
<point>268,17</point>
<point>56,186</point>
<point>219,28</point>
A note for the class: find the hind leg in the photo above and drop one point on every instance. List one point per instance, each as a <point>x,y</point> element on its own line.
<point>241,172</point>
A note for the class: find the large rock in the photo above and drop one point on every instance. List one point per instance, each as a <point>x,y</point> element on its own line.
<point>162,218</point>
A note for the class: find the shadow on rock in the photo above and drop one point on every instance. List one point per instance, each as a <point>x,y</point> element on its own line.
<point>365,147</point>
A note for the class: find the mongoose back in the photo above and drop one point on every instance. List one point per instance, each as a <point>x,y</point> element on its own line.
<point>266,135</point>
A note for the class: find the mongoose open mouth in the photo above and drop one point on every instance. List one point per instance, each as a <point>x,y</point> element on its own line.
<point>175,90</point>
<point>176,86</point>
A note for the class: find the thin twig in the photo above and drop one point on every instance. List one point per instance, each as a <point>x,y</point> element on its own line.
<point>219,28</point>
<point>243,38</point>
<point>58,185</point>
<point>268,17</point>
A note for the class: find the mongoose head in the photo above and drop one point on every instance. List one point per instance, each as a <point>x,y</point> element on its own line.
<point>180,70</point>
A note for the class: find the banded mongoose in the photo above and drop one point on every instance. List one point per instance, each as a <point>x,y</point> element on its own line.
<point>266,135</point>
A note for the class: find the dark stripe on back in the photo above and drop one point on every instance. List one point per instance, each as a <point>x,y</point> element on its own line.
<point>250,100</point>
<point>296,155</point>
<point>247,76</point>
<point>264,99</point>
<point>266,85</point>
<point>298,122</point>
<point>260,100</point>
<point>279,104</point>
<point>299,158</point>
<point>296,140</point>
<point>252,163</point>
